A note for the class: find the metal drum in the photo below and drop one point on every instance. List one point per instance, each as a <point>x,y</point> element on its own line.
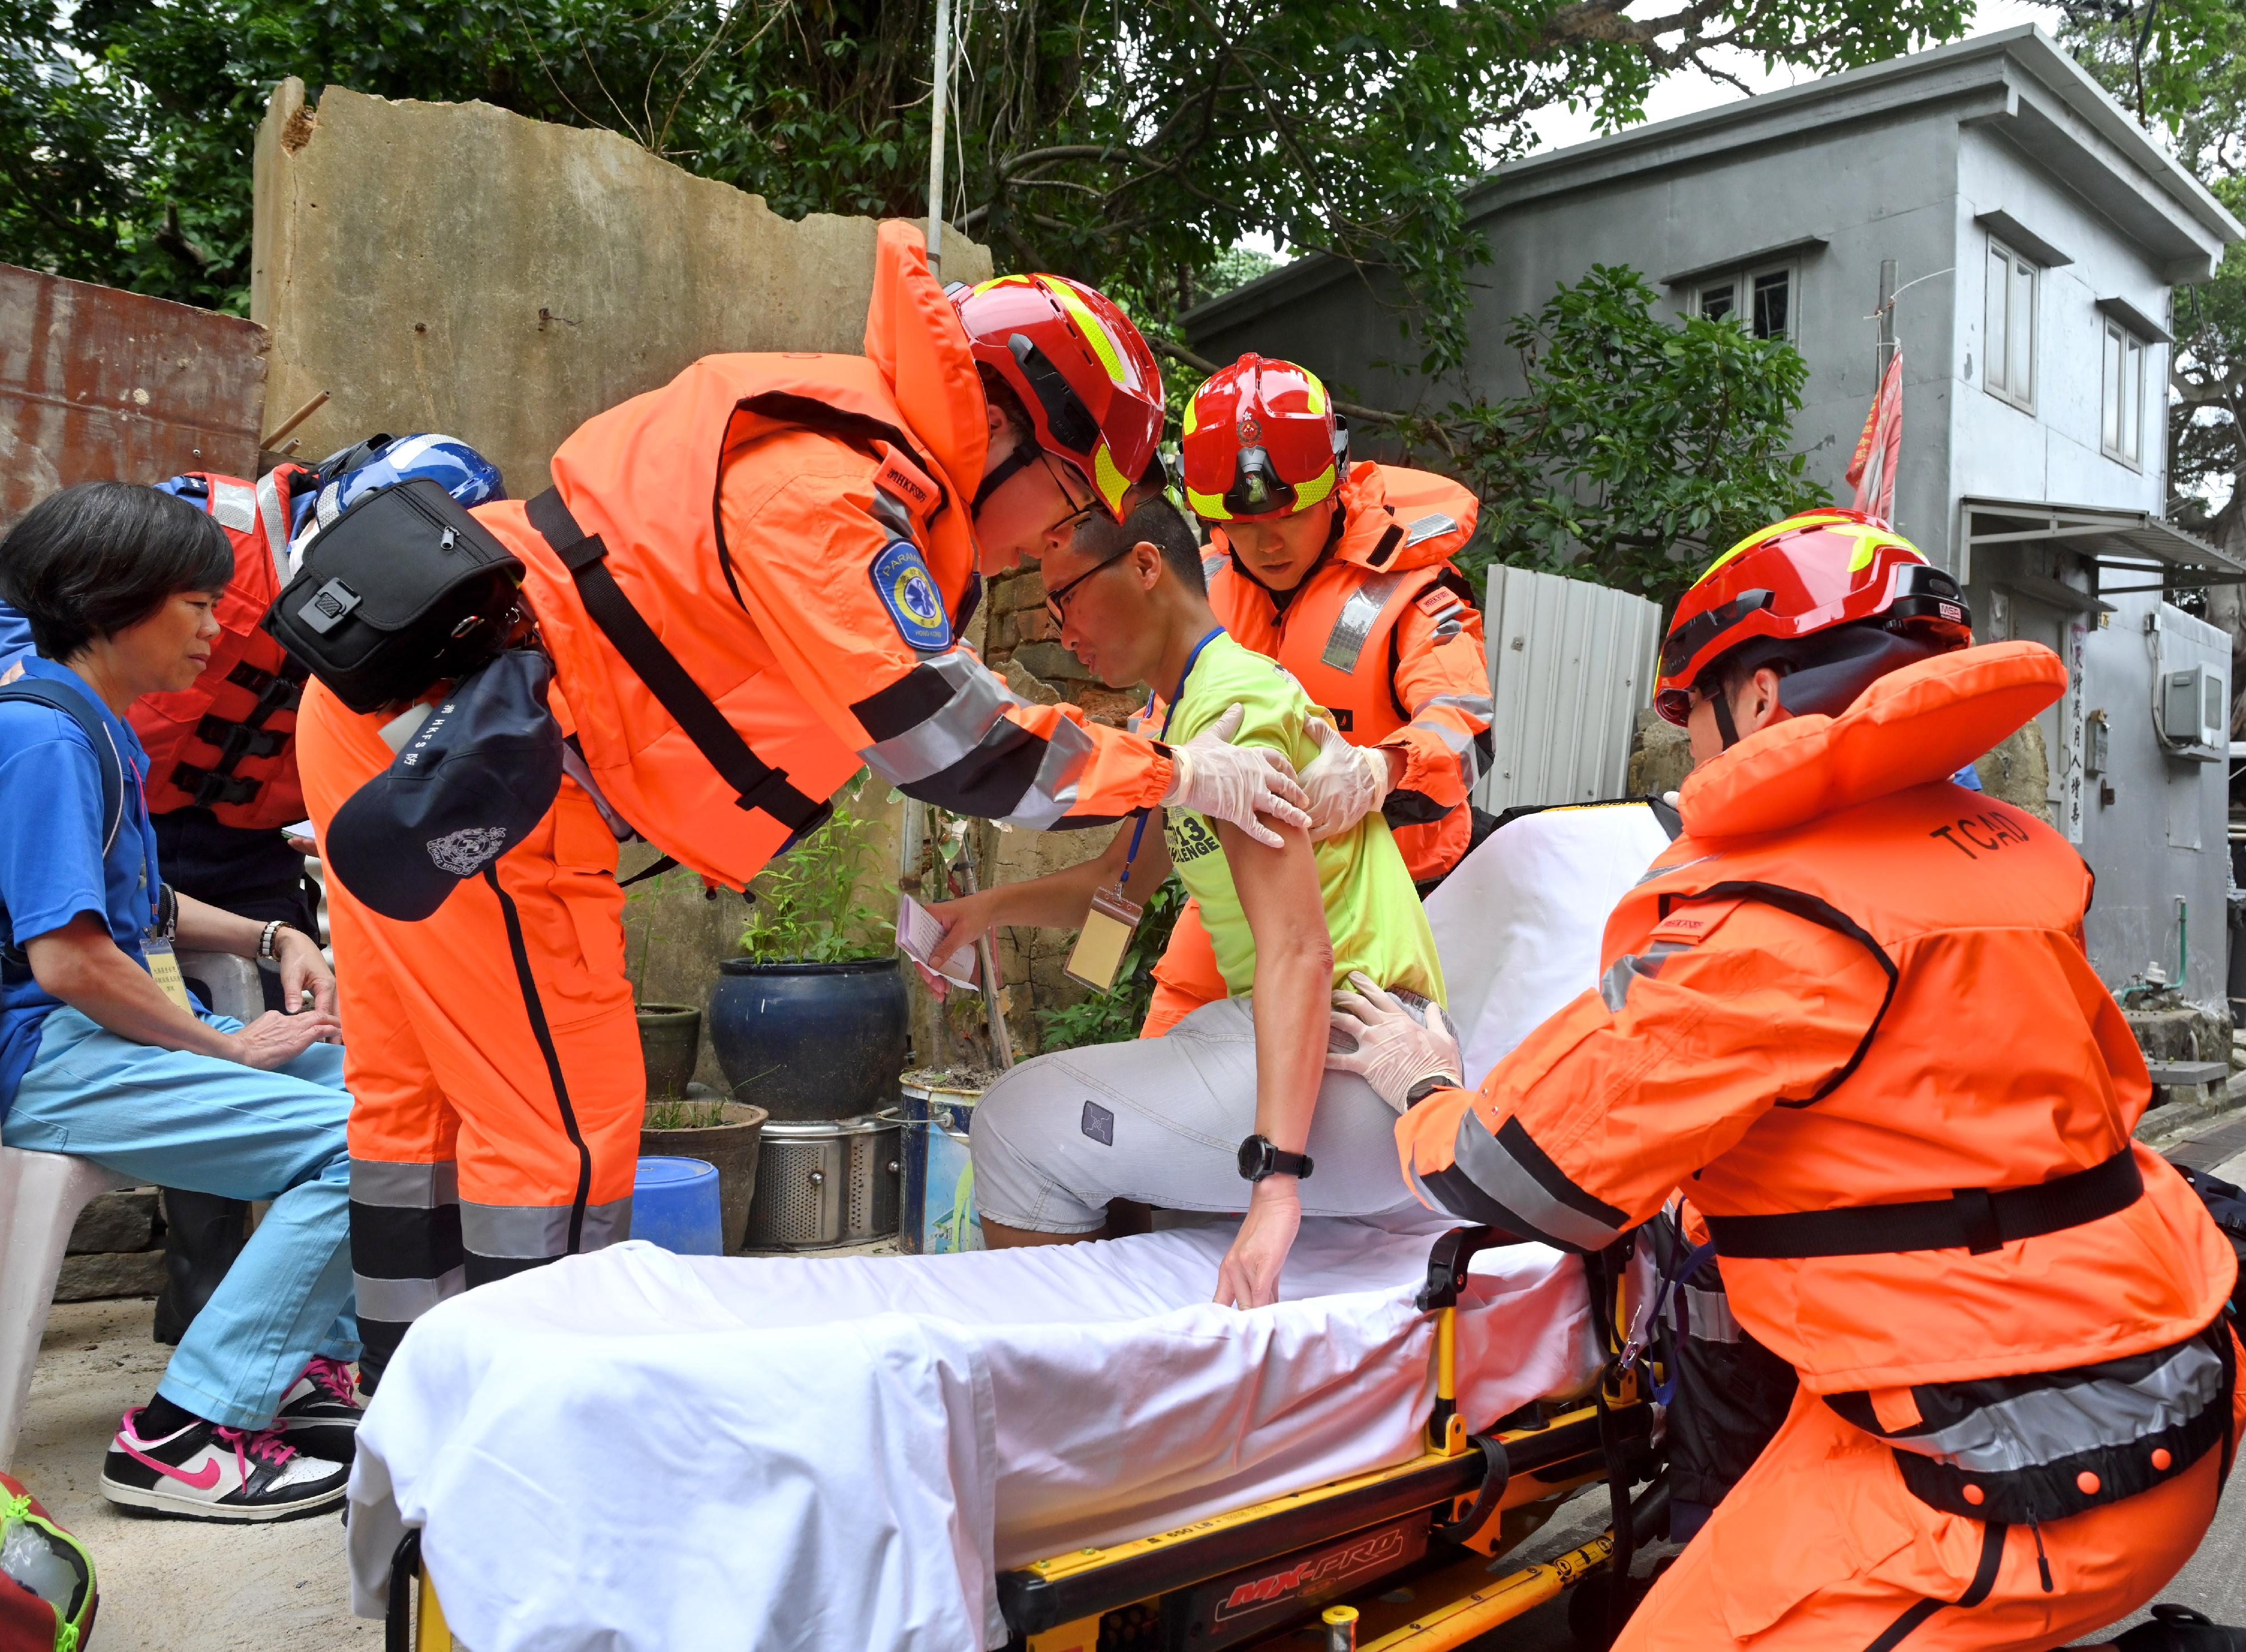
<point>825,1182</point>
<point>939,1211</point>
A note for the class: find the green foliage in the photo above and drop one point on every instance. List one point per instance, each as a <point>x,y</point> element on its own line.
<point>1135,146</point>
<point>671,1114</point>
<point>1641,448</point>
<point>1115,1015</point>
<point>804,907</point>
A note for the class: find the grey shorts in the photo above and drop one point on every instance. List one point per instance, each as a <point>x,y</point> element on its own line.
<point>1162,1120</point>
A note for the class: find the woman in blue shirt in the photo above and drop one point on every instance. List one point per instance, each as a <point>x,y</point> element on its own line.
<point>104,1054</point>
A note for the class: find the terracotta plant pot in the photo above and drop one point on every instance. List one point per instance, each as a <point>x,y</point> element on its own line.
<point>732,1145</point>
<point>670,1043</point>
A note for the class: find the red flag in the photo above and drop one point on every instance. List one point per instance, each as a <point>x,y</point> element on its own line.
<point>1871,472</point>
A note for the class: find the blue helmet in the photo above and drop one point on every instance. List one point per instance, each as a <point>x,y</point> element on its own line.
<point>350,475</point>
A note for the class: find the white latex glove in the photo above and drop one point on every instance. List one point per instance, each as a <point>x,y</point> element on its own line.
<point>1344,782</point>
<point>1236,783</point>
<point>1390,1049</point>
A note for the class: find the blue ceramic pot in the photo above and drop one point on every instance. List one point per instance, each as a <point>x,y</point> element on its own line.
<point>811,1040</point>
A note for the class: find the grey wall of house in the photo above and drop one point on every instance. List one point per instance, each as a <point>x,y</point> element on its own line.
<point>2000,450</point>
<point>2165,837</point>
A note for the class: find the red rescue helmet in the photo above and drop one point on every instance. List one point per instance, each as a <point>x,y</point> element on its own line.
<point>1082,371</point>
<point>1872,600</point>
<point>1262,441</point>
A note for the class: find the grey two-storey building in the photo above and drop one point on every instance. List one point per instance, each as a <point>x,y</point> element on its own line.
<point>2037,232</point>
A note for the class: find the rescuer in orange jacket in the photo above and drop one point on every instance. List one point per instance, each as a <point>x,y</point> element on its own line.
<point>1849,1009</point>
<point>1343,574</point>
<point>751,583</point>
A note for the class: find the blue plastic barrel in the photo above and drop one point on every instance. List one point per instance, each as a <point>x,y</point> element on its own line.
<point>675,1205</point>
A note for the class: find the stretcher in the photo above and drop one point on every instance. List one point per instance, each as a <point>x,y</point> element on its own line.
<point>1404,1556</point>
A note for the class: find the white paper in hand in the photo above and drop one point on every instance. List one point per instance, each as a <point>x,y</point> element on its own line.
<point>918,930</point>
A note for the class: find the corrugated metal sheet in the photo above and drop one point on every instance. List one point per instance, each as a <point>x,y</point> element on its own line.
<point>1570,665</point>
<point>96,382</point>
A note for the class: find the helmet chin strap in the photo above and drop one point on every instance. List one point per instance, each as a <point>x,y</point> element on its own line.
<point>1720,704</point>
<point>1023,455</point>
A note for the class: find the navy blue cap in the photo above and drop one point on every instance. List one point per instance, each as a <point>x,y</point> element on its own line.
<point>474,781</point>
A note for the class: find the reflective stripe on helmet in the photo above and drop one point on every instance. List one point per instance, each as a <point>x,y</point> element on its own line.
<point>1095,331</point>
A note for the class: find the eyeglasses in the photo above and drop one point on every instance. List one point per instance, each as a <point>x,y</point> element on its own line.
<point>1057,599</point>
<point>1076,513</point>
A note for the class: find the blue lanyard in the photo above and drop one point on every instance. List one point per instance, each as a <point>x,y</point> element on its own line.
<point>1169,713</point>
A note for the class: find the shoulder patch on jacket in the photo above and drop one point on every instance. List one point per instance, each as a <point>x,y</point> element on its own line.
<point>906,590</point>
<point>1694,921</point>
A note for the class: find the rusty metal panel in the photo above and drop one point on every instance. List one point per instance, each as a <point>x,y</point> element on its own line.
<point>96,382</point>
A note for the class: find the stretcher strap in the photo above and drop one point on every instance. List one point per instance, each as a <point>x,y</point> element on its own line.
<point>756,784</point>
<point>1973,1218</point>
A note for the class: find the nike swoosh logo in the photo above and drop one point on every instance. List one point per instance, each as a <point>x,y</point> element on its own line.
<point>203,1480</point>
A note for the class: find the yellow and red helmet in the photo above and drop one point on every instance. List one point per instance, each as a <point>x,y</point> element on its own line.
<point>1812,574</point>
<point>1262,441</point>
<point>1082,371</point>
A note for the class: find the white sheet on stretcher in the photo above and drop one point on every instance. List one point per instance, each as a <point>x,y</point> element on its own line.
<point>637,1450</point>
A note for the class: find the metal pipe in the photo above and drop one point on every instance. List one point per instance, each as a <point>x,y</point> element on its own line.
<point>941,95</point>
<point>1887,345</point>
<point>1341,1629</point>
<point>1500,1602</point>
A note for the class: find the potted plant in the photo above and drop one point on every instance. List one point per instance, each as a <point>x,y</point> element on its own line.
<point>726,1135</point>
<point>811,1020</point>
<point>670,1034</point>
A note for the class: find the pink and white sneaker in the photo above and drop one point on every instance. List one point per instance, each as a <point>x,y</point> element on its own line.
<point>208,1471</point>
<point>319,1414</point>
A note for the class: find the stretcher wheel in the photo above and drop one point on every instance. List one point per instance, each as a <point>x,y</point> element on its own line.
<point>1590,1602</point>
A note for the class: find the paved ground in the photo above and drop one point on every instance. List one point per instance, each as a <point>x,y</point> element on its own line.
<point>167,1585</point>
<point>177,1586</point>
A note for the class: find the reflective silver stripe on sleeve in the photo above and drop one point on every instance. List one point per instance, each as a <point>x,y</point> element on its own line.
<point>234,505</point>
<point>1614,986</point>
<point>1428,526</point>
<point>979,699</point>
<point>2047,1424</point>
<point>400,1301</point>
<point>273,517</point>
<point>1355,622</point>
<point>404,1187</point>
<point>1708,1315</point>
<point>1449,627</point>
<point>1486,1162</point>
<point>540,1230</point>
<point>1212,565</point>
<point>1474,705</point>
<point>1053,793</point>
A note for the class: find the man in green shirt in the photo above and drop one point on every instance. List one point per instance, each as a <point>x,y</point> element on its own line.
<point>1163,1120</point>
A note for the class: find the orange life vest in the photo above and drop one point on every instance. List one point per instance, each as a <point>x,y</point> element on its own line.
<point>1337,632</point>
<point>644,477</point>
<point>1999,1061</point>
<point>227,744</point>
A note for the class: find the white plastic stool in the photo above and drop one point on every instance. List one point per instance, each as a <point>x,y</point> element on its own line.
<point>41,1196</point>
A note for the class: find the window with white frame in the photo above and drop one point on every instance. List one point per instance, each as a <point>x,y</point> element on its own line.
<point>2008,339</point>
<point>1761,301</point>
<point>2121,434</point>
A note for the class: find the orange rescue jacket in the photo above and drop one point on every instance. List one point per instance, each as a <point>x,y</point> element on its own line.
<point>795,528</point>
<point>1851,984</point>
<point>227,742</point>
<point>1385,634</point>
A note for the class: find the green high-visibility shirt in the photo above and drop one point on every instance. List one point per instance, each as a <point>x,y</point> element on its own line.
<point>1373,911</point>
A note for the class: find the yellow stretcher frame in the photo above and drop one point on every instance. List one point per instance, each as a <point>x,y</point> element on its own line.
<point>1532,1469</point>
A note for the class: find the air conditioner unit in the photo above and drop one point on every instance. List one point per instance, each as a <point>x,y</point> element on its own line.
<point>2195,713</point>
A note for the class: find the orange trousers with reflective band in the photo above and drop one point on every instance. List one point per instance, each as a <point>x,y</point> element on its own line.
<point>1820,1549</point>
<point>492,1052</point>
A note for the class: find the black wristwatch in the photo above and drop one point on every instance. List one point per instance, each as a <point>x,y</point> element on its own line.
<point>1259,1158</point>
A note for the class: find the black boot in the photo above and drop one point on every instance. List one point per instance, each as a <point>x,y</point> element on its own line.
<point>2178,1628</point>
<point>202,1235</point>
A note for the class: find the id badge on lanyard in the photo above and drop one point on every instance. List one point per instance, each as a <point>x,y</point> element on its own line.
<point>156,945</point>
<point>1096,958</point>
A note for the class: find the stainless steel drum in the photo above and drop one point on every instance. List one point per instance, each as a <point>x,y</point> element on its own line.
<point>823,1182</point>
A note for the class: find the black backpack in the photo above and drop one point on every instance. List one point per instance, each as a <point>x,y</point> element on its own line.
<point>2226,1202</point>
<point>60,697</point>
<point>403,590</point>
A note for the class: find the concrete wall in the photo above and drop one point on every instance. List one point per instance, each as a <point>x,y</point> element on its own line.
<point>2164,839</point>
<point>454,267</point>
